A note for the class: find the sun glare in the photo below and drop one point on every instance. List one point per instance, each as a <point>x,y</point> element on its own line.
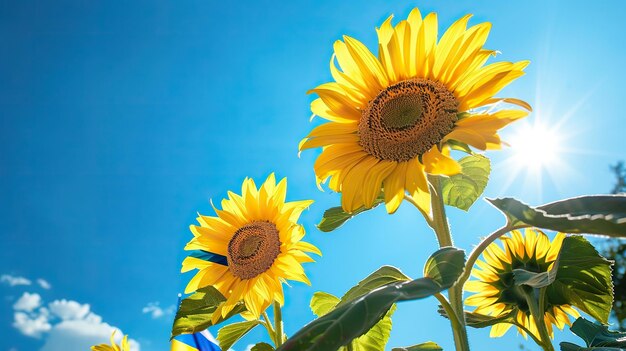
<point>537,152</point>
<point>535,146</point>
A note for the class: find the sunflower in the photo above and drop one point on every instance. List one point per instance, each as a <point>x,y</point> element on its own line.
<point>258,235</point>
<point>113,347</point>
<point>393,118</point>
<point>497,294</point>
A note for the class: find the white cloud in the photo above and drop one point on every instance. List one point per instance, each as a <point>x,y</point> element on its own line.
<point>66,325</point>
<point>80,335</point>
<point>156,311</point>
<point>44,284</point>
<point>33,326</point>
<point>13,280</point>
<point>249,347</point>
<point>69,310</point>
<point>27,302</point>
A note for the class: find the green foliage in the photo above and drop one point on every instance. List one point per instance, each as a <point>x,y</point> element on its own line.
<point>335,217</point>
<point>262,346</point>
<point>463,189</point>
<point>228,335</point>
<point>376,338</point>
<point>597,214</point>
<point>579,277</point>
<point>426,346</point>
<point>382,276</point>
<point>323,302</point>
<point>583,279</point>
<point>196,311</point>
<point>597,337</point>
<point>615,250</point>
<point>444,265</point>
<point>354,318</point>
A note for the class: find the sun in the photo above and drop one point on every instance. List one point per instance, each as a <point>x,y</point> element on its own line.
<point>535,146</point>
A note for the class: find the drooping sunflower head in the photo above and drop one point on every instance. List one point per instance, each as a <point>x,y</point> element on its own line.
<point>257,242</point>
<point>496,293</point>
<point>393,118</point>
<point>124,346</point>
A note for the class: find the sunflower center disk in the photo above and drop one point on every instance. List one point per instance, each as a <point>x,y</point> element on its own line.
<point>252,249</point>
<point>407,119</point>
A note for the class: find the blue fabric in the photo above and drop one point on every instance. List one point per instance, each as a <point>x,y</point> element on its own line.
<point>198,342</point>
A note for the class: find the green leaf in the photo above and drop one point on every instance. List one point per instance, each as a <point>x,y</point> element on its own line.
<point>598,214</point>
<point>463,189</point>
<point>352,319</point>
<point>196,311</point>
<point>420,347</point>
<point>228,335</point>
<point>335,217</point>
<point>262,346</point>
<point>597,337</point>
<point>322,303</point>
<point>443,265</point>
<point>583,279</point>
<point>382,276</point>
<point>376,338</point>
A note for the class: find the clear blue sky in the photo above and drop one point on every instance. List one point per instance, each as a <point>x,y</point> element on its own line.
<point>119,120</point>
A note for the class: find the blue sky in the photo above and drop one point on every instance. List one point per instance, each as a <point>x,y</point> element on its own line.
<point>120,120</point>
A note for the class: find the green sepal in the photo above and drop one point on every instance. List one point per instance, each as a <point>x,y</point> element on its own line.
<point>477,320</point>
<point>459,146</point>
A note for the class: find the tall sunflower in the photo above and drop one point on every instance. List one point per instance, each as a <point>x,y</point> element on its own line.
<point>497,294</point>
<point>258,235</point>
<point>393,118</point>
<point>124,346</point>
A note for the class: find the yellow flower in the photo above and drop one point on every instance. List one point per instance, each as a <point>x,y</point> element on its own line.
<point>392,119</point>
<point>114,347</point>
<point>258,234</point>
<point>497,294</point>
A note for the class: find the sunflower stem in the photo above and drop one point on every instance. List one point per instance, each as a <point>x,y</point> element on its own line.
<point>268,326</point>
<point>473,257</point>
<point>449,311</point>
<point>278,324</point>
<point>442,231</point>
<point>538,317</point>
<point>439,220</point>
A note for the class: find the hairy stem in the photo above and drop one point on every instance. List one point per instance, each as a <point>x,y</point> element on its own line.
<point>442,230</point>
<point>268,326</point>
<point>278,324</point>
<point>478,250</point>
<point>439,220</point>
<point>456,324</point>
<point>538,316</point>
